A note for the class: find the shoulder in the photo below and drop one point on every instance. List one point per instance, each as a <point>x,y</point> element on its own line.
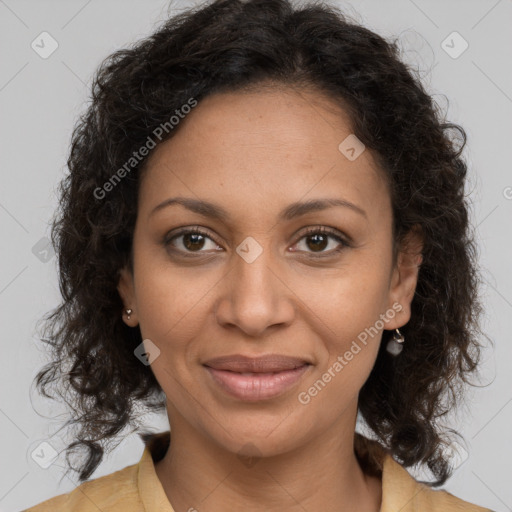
<point>98,494</point>
<point>130,489</point>
<point>402,492</point>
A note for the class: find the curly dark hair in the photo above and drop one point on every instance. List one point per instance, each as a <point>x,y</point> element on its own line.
<point>229,45</point>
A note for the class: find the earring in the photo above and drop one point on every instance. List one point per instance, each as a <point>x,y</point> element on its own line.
<point>395,344</point>
<point>128,313</point>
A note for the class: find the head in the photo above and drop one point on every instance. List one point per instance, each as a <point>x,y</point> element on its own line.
<point>248,106</point>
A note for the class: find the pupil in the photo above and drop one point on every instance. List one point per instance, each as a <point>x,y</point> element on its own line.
<point>322,244</point>
<point>194,237</point>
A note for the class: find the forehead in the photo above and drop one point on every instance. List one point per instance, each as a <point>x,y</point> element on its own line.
<point>261,148</point>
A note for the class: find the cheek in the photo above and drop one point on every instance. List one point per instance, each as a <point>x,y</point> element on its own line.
<point>349,326</point>
<point>172,311</point>
<point>347,300</point>
<point>347,314</point>
<point>169,298</point>
<point>174,308</point>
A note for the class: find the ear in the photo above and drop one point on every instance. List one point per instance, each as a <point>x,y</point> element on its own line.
<point>126,290</point>
<point>405,277</point>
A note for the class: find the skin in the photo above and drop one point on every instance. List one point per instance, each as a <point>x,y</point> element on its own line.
<point>254,153</point>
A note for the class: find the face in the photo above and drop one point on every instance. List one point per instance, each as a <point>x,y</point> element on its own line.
<point>264,278</point>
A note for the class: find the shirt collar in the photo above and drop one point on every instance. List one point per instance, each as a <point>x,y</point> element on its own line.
<point>399,489</point>
<point>151,491</point>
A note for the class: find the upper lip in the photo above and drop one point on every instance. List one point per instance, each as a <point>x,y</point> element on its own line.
<point>268,363</point>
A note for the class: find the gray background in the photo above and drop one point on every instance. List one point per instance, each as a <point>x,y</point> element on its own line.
<point>40,100</point>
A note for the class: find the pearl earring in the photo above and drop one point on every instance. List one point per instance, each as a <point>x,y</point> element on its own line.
<point>128,313</point>
<point>395,344</point>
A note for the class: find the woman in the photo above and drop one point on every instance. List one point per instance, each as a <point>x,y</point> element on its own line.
<point>264,232</point>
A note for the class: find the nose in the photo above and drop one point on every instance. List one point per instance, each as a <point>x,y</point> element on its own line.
<point>254,296</point>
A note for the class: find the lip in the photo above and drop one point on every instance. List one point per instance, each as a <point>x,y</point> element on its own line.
<point>262,364</point>
<point>255,379</point>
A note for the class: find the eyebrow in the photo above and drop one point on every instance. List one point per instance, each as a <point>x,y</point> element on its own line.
<point>211,210</point>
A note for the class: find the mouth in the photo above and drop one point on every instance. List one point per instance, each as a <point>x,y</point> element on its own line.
<point>271,363</point>
<point>255,379</point>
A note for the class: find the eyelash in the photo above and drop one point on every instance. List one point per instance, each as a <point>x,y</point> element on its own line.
<point>309,232</point>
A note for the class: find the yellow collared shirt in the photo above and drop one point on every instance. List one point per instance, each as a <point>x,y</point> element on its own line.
<point>136,488</point>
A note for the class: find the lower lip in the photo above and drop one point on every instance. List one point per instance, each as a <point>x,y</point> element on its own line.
<point>257,386</point>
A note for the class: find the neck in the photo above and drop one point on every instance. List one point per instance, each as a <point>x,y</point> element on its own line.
<point>324,474</point>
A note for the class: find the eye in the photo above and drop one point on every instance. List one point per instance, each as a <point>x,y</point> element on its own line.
<point>319,240</point>
<point>191,240</point>
<point>188,241</point>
